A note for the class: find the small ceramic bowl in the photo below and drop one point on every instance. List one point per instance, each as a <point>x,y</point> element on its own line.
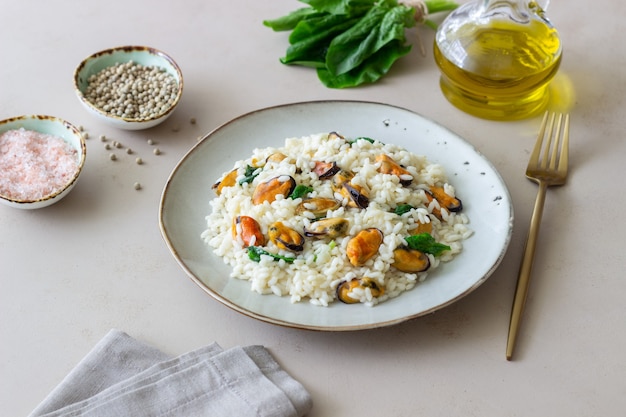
<point>54,127</point>
<point>140,55</point>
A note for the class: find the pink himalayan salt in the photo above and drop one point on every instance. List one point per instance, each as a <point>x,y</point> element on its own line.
<point>34,165</point>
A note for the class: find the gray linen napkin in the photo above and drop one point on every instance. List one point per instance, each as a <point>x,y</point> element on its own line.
<point>124,377</point>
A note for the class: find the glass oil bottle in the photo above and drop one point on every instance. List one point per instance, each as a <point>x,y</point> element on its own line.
<point>497,58</point>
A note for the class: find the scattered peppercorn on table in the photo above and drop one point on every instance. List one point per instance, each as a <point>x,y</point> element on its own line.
<point>97,260</point>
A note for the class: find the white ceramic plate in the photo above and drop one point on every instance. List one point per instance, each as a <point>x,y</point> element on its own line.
<point>486,200</point>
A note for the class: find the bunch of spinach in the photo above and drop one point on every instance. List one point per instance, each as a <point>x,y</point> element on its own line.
<point>350,42</point>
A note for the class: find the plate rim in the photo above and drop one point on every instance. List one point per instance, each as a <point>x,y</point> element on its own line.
<point>330,328</point>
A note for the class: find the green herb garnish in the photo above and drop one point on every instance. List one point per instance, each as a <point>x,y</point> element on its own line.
<point>300,191</point>
<point>350,42</point>
<point>403,208</point>
<point>424,242</point>
<point>255,252</point>
<point>249,175</point>
<point>370,140</point>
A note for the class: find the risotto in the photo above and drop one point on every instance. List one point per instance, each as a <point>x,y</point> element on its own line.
<point>326,218</point>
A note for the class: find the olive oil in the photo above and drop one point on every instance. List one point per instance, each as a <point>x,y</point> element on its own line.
<point>496,68</point>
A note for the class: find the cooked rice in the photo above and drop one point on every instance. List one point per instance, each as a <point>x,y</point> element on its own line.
<point>323,264</point>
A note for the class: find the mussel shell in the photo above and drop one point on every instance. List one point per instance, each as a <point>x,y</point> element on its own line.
<point>249,230</point>
<point>345,287</point>
<point>325,170</point>
<point>228,180</point>
<point>275,157</point>
<point>268,190</point>
<point>364,246</point>
<point>410,260</point>
<point>285,237</point>
<point>445,200</point>
<point>391,167</point>
<point>335,135</point>
<point>331,228</point>
<point>319,206</point>
<point>357,195</point>
<point>340,178</point>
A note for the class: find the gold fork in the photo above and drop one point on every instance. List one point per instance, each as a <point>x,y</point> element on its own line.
<point>546,168</point>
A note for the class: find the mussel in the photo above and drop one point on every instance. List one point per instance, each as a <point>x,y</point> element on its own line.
<point>364,246</point>
<point>335,135</point>
<point>249,230</point>
<point>340,178</point>
<point>327,228</point>
<point>285,237</point>
<point>358,196</point>
<point>446,202</point>
<point>423,228</point>
<point>268,190</point>
<point>325,170</point>
<point>319,206</point>
<point>228,180</point>
<point>276,157</point>
<point>406,259</point>
<point>453,204</point>
<point>346,287</point>
<point>391,167</point>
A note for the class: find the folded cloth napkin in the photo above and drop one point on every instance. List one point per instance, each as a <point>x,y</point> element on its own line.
<point>124,377</point>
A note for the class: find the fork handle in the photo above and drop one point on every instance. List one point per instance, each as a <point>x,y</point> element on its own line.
<point>523,280</point>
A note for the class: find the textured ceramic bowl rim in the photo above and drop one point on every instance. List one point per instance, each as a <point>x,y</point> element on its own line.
<point>52,126</point>
<point>142,55</point>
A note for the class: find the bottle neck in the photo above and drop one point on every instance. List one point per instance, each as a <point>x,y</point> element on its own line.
<point>526,4</point>
<point>519,11</point>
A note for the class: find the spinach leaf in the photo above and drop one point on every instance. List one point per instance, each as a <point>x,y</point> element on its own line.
<point>291,20</point>
<point>249,175</point>
<point>345,7</point>
<point>371,70</point>
<point>300,191</point>
<point>424,242</point>
<point>370,140</point>
<point>402,208</point>
<point>255,252</point>
<point>310,39</point>
<point>380,26</point>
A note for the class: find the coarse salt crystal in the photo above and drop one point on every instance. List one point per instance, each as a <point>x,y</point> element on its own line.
<point>34,165</point>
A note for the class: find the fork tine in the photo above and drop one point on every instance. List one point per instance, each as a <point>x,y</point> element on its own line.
<point>534,156</point>
<point>549,135</point>
<point>556,135</point>
<point>563,161</point>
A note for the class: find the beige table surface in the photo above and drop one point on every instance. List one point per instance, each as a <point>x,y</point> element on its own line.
<point>96,260</point>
